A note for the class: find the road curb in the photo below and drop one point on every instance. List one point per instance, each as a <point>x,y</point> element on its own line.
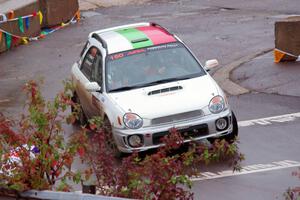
<point>222,76</point>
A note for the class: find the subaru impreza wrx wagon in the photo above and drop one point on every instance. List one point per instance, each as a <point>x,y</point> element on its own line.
<point>143,81</point>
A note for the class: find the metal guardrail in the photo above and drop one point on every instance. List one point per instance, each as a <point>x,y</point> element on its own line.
<point>51,195</point>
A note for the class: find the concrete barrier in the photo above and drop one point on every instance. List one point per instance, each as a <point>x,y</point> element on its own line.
<point>287,39</point>
<point>57,11</point>
<point>54,13</point>
<point>20,8</point>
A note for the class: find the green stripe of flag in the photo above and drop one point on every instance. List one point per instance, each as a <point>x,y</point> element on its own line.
<point>21,24</point>
<point>134,34</point>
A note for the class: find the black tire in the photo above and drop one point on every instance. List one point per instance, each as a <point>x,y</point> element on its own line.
<point>81,118</point>
<point>230,138</point>
<point>235,130</point>
<point>110,141</point>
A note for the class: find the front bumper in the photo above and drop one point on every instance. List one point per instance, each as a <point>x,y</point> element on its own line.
<point>205,125</point>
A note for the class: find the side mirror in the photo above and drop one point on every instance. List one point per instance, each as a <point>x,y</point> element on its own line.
<point>92,87</point>
<point>210,64</point>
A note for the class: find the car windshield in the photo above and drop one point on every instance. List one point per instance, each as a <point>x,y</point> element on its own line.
<point>150,66</point>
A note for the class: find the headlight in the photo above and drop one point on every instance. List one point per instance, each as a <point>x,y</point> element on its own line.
<point>132,121</point>
<point>216,104</point>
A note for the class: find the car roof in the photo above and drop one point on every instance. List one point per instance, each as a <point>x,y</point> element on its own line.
<point>133,36</point>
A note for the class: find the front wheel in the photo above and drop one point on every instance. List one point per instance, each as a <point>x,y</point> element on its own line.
<point>235,129</point>
<point>77,109</point>
<point>109,139</point>
<point>231,136</point>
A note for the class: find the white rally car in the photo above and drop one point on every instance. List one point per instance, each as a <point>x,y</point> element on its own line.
<point>143,81</point>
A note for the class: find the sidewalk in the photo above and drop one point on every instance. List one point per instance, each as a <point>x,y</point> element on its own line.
<point>83,4</point>
<point>263,75</point>
<point>94,4</point>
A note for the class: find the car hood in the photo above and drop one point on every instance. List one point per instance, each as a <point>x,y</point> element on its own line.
<point>187,95</point>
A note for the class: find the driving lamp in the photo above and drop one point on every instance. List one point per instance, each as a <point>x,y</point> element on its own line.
<point>221,124</point>
<point>135,140</point>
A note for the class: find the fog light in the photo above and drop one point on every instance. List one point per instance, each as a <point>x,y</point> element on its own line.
<point>221,124</point>
<point>135,140</point>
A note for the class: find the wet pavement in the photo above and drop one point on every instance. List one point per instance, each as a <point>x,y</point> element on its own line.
<point>262,143</point>
<point>213,29</point>
<point>263,75</point>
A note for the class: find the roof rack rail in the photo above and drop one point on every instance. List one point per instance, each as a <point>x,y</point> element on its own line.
<point>97,37</point>
<point>159,26</point>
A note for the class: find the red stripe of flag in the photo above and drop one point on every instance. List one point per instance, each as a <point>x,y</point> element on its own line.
<point>156,35</point>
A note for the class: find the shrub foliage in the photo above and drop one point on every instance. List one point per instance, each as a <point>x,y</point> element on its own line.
<point>161,175</point>
<point>33,151</point>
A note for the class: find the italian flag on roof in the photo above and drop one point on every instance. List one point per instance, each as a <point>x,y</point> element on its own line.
<point>134,38</point>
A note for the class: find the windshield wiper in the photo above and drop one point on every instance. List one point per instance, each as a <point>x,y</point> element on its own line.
<point>169,80</point>
<point>124,88</point>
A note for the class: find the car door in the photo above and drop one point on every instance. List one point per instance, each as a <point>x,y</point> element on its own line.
<point>87,67</point>
<point>97,76</point>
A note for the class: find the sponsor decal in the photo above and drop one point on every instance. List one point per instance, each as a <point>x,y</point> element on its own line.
<point>117,56</point>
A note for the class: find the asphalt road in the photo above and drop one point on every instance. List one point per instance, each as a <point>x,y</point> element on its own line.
<point>226,30</point>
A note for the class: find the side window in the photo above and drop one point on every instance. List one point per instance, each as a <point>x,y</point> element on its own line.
<point>97,69</point>
<point>88,62</point>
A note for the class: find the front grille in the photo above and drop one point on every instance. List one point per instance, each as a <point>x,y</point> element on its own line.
<point>177,117</point>
<point>191,132</point>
